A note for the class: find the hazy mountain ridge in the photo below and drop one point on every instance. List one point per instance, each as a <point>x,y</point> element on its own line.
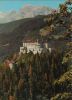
<point>28,11</point>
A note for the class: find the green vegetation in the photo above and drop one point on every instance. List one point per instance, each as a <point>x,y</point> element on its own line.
<point>62,96</point>
<point>45,76</point>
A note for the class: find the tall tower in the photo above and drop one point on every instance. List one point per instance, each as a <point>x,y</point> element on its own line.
<point>46,45</point>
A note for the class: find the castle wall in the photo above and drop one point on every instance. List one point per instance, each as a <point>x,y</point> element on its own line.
<point>34,47</point>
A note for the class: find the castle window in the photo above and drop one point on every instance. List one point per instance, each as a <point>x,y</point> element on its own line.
<point>33,49</point>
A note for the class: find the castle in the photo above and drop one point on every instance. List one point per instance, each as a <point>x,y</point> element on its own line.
<point>33,46</point>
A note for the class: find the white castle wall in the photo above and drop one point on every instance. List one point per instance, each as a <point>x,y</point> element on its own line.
<point>34,47</point>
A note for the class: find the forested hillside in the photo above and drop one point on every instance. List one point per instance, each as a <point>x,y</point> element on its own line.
<point>44,76</point>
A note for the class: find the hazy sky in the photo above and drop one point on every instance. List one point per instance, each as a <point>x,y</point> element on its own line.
<point>8,5</point>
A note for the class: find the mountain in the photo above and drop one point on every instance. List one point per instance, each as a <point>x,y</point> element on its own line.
<point>28,11</point>
<point>54,28</point>
<point>12,33</point>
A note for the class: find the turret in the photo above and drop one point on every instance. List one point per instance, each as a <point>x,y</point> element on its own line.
<point>46,45</point>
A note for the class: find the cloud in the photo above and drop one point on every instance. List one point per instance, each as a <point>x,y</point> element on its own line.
<point>26,11</point>
<point>2,15</point>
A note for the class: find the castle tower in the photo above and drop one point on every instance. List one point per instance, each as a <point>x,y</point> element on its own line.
<point>46,45</point>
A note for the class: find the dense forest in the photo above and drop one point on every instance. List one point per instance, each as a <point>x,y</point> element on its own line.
<point>45,76</point>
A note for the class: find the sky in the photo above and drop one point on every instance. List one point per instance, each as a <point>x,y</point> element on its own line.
<point>8,5</point>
